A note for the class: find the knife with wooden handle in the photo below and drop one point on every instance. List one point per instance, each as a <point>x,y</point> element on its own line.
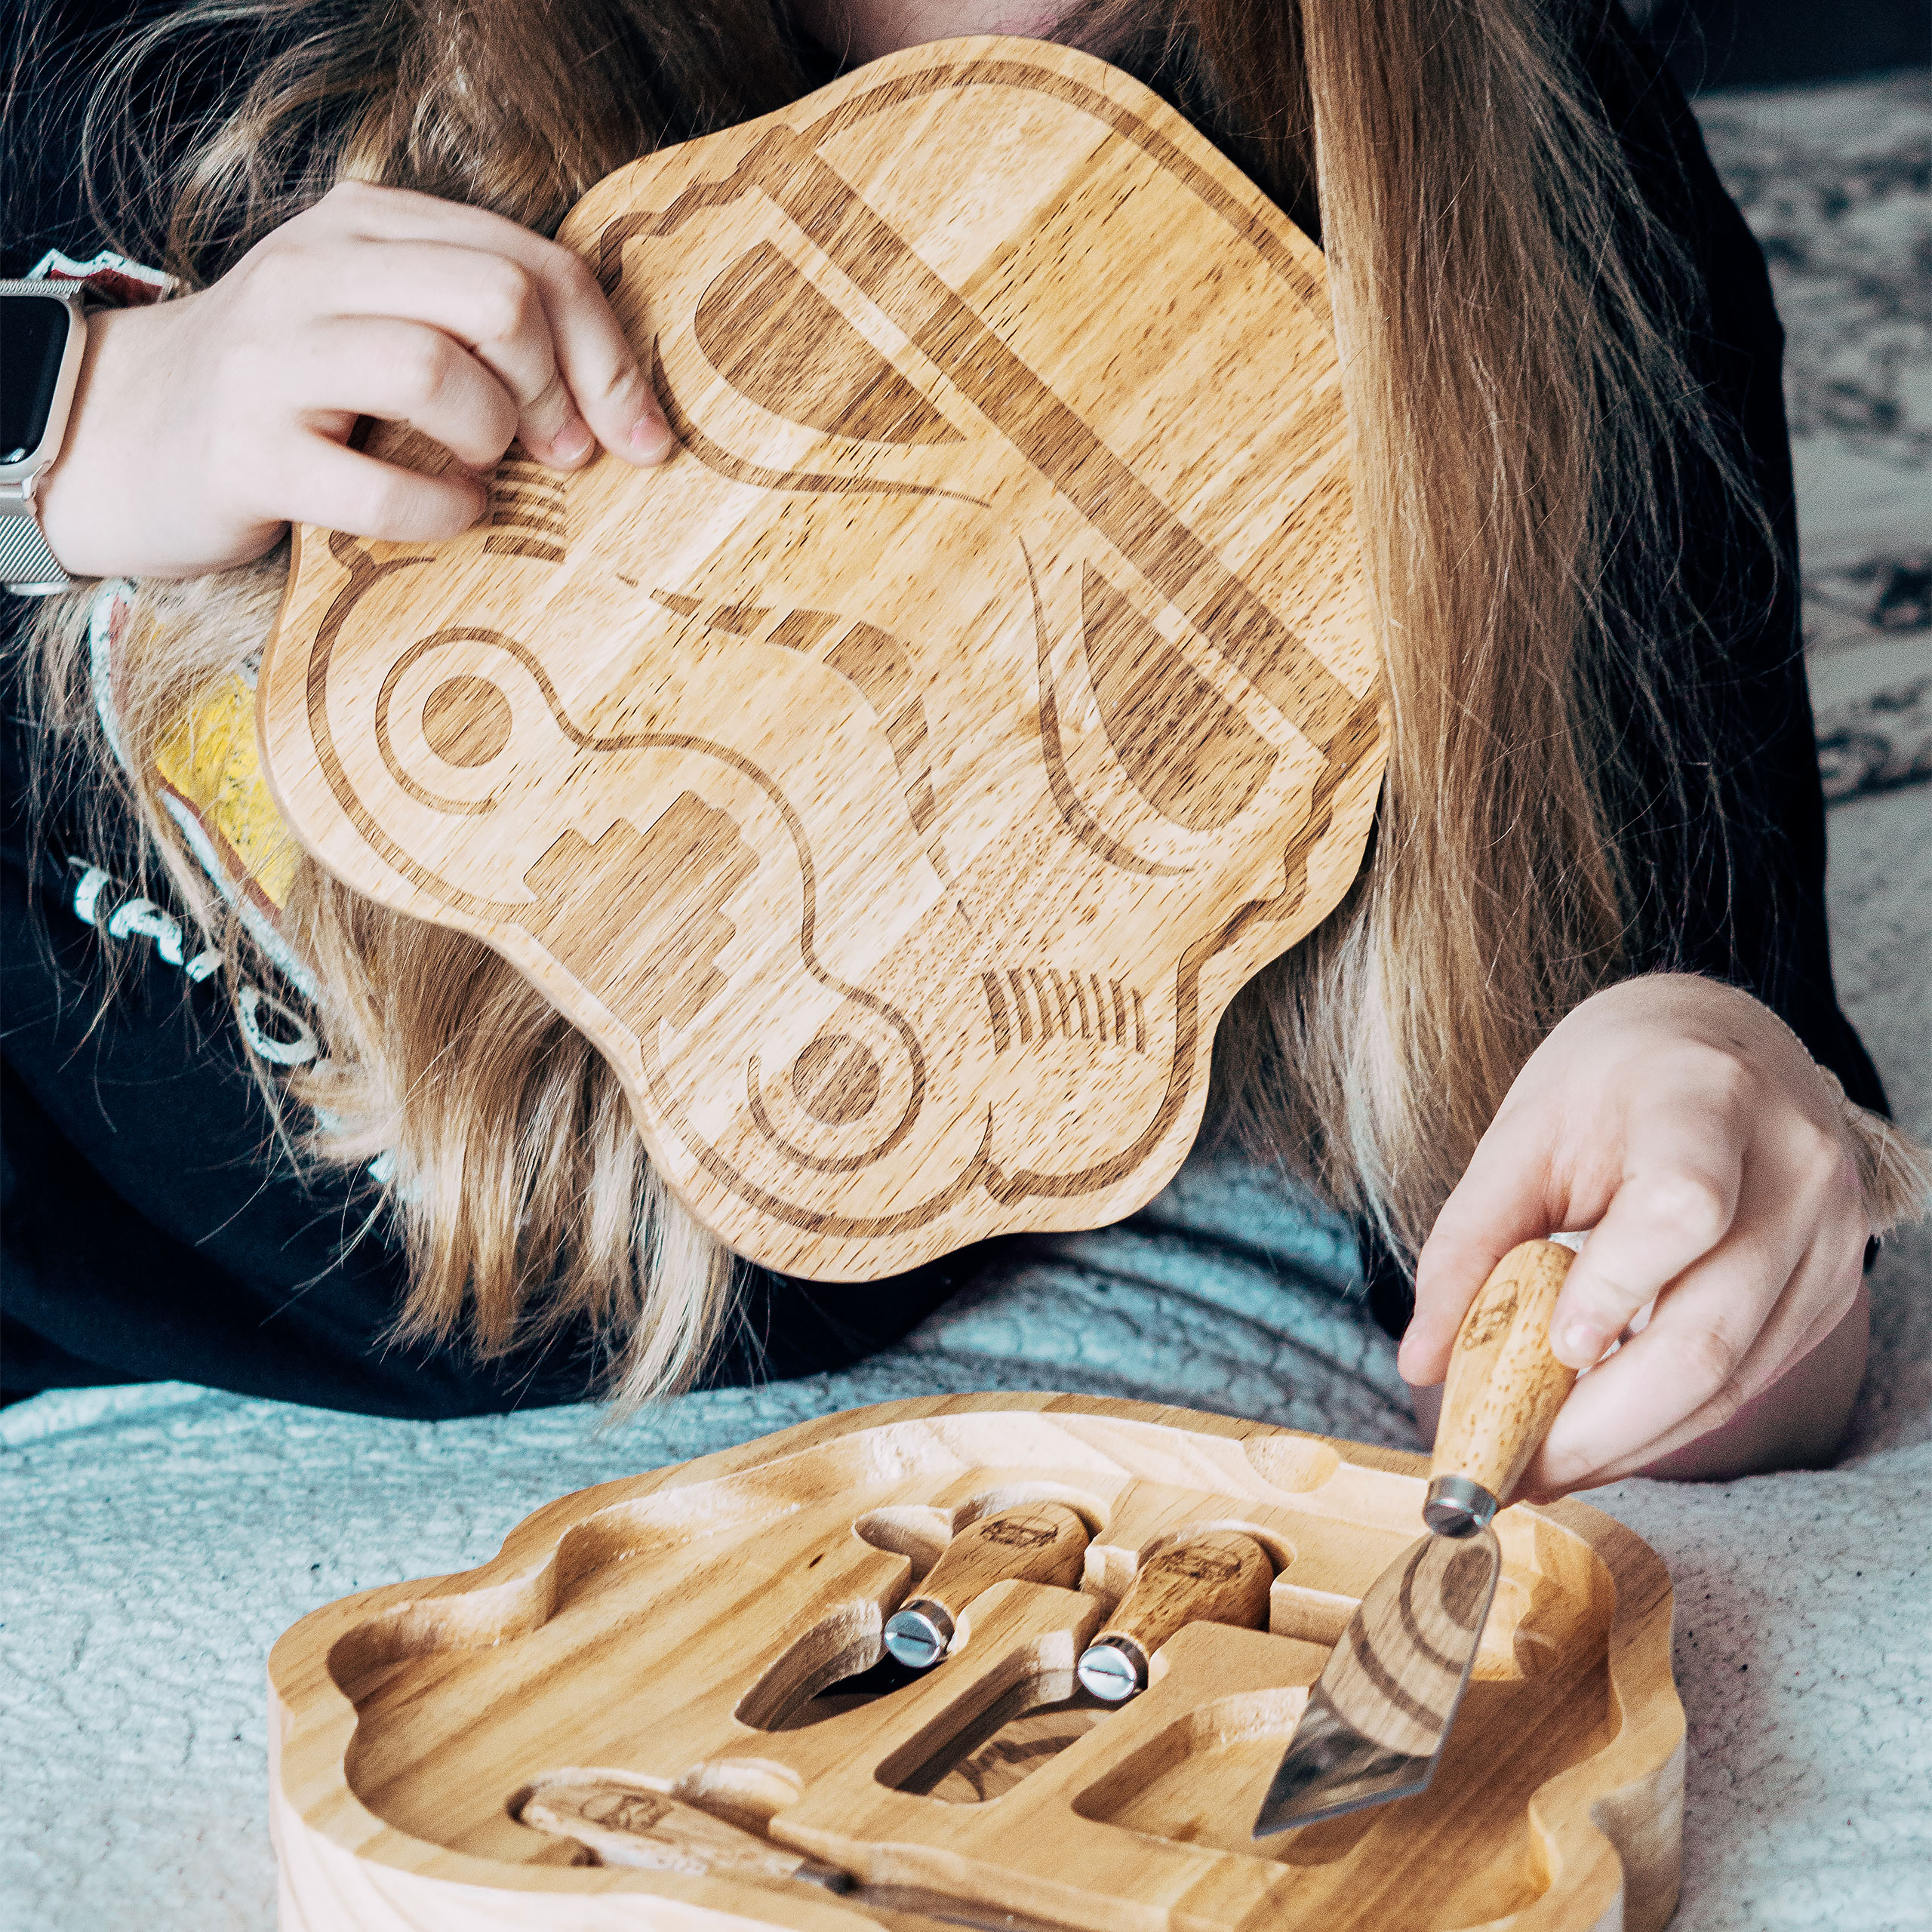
<point>1375,1722</point>
<point>1214,1576</point>
<point>1033,1543</point>
<point>633,1825</point>
<point>621,1822</point>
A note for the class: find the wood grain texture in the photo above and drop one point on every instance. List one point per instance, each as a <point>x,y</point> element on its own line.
<point>1393,1686</point>
<point>1042,1542</point>
<point>1504,1386</point>
<point>671,1632</point>
<point>1018,1747</point>
<point>897,785</point>
<point>1208,1577</point>
<point>1398,1673</point>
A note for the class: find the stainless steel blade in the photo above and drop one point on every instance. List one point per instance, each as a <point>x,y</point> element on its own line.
<point>1375,1722</point>
<point>1330,1768</point>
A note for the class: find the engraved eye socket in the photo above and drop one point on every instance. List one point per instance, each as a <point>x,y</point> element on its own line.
<point>836,1079</point>
<point>774,338</point>
<point>1187,752</point>
<point>466,721</point>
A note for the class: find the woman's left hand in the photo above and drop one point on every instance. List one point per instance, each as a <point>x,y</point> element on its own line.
<point>1683,1125</point>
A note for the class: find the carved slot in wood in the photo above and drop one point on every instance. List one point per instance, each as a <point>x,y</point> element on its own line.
<point>1021,1735</point>
<point>841,1646</point>
<point>852,1692</point>
<point>841,1664</point>
<point>998,1746</point>
<point>617,1651</point>
<point>918,1532</point>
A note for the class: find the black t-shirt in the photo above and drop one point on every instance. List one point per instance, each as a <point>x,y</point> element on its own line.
<point>152,1229</point>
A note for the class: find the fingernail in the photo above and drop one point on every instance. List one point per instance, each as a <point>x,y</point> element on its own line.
<point>651,439</point>
<point>572,443</point>
<point>1581,1345</point>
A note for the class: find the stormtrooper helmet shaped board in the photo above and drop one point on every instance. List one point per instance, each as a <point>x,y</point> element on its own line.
<point>898,783</point>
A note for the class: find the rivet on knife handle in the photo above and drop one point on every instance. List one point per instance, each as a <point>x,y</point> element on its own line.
<point>1504,1390</point>
<point>1215,1576</point>
<point>1035,1543</point>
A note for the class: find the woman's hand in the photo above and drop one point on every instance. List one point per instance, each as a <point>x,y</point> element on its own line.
<point>1682,1123</point>
<point>203,426</point>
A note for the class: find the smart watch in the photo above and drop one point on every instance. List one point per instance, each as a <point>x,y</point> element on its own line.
<point>43,332</point>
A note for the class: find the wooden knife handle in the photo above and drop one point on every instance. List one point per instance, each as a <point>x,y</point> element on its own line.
<point>1034,1543</point>
<point>1505,1387</point>
<point>621,1824</point>
<point>1214,1577</point>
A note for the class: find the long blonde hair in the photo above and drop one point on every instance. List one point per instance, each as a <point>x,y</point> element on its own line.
<point>1511,326</point>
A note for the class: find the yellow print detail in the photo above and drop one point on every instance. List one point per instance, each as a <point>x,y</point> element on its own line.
<point>210,758</point>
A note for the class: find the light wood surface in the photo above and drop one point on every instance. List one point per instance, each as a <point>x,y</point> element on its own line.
<point>1504,1386</point>
<point>692,1632</point>
<point>897,785</point>
<point>1043,1543</point>
<point>1398,1673</point>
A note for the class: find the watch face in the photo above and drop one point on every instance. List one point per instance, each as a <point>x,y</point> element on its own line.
<point>33,341</point>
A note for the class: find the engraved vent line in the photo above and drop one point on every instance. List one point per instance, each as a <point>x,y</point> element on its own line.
<point>1019,1001</point>
<point>996,1012</point>
<point>537,512</point>
<point>527,514</point>
<point>1048,1004</point>
<point>1045,1011</point>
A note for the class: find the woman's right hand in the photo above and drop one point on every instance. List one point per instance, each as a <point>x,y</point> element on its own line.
<point>203,426</point>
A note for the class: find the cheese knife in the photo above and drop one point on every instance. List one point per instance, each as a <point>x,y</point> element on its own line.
<point>620,1821</point>
<point>1375,1722</point>
<point>1032,1543</point>
<point>1210,1576</point>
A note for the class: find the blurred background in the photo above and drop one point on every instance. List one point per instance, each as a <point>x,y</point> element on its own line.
<point>1773,43</point>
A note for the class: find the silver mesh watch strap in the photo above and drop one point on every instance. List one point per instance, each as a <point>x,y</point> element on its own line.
<point>28,567</point>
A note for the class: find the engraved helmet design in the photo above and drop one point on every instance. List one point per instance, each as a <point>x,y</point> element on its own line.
<point>898,783</point>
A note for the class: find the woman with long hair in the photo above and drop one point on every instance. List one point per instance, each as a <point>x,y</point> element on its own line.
<point>1582,982</point>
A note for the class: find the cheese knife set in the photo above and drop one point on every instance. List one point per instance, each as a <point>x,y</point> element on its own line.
<point>1015,1661</point>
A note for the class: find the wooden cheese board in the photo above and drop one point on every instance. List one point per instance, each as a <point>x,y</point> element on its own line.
<point>663,1704</point>
<point>897,785</point>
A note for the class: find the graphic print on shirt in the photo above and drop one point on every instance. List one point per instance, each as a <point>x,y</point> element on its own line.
<point>210,782</point>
